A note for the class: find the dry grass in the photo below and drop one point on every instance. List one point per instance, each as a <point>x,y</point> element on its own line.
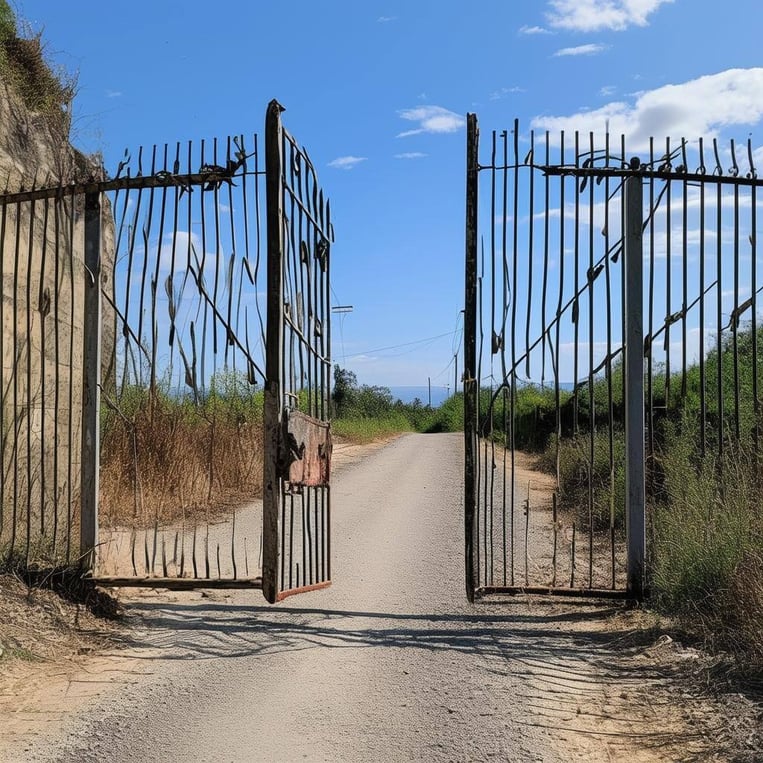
<point>169,461</point>
<point>39,625</point>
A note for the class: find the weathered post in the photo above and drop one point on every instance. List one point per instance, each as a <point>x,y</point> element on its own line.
<point>271,485</point>
<point>471,384</point>
<point>635,491</point>
<point>91,387</point>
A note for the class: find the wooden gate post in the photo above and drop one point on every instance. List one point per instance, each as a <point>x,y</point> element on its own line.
<point>271,485</point>
<point>471,384</point>
<point>635,490</point>
<point>91,387</point>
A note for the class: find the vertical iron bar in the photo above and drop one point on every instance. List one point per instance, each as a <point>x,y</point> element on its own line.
<point>271,488</point>
<point>591,394</point>
<point>29,396</point>
<point>668,276</point>
<point>719,302</point>
<point>650,329</point>
<point>471,389</point>
<point>505,290</point>
<point>702,370</point>
<point>735,320</point>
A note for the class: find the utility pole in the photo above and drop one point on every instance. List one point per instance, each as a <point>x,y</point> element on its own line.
<point>429,382</point>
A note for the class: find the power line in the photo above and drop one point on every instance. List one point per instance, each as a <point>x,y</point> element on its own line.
<point>404,344</point>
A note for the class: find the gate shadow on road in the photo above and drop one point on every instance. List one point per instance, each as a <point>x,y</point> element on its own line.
<point>197,630</point>
<point>571,661</point>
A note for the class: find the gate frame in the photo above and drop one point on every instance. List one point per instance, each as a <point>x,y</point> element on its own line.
<point>275,411</point>
<point>635,430</point>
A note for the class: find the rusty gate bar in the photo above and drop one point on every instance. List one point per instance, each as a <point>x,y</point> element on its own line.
<point>271,486</point>
<point>471,383</point>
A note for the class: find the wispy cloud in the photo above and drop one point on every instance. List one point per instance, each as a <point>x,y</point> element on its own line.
<point>431,119</point>
<point>591,49</point>
<point>496,95</point>
<point>699,107</point>
<point>385,19</point>
<point>113,93</point>
<point>533,30</point>
<point>592,15</point>
<point>347,162</point>
<point>411,155</point>
<point>607,90</point>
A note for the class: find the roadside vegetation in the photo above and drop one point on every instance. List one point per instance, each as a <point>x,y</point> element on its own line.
<point>362,413</point>
<point>704,485</point>
<point>166,457</point>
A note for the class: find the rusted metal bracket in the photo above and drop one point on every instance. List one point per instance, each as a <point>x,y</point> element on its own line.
<point>305,452</point>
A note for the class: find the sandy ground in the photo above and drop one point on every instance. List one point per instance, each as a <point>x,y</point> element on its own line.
<point>390,663</point>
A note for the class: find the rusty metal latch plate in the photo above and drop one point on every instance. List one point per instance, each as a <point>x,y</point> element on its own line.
<point>306,450</point>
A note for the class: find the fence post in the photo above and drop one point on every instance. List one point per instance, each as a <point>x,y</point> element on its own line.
<point>271,486</point>
<point>471,383</point>
<point>635,491</point>
<point>91,387</point>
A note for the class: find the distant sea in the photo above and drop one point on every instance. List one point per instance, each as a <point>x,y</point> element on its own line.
<point>440,394</point>
<point>409,394</point>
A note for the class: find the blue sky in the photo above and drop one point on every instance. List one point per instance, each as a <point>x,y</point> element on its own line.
<point>377,91</point>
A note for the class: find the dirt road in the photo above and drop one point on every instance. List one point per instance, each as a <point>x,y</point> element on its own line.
<point>389,664</point>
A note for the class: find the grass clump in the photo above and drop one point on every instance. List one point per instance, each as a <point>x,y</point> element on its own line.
<point>708,540</point>
<point>45,90</point>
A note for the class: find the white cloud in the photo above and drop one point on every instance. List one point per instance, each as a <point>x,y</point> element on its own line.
<point>700,107</point>
<point>591,49</point>
<point>347,162</point>
<point>411,155</point>
<point>113,93</point>
<point>385,19</point>
<point>496,95</point>
<point>533,30</point>
<point>607,90</point>
<point>592,15</point>
<point>431,119</point>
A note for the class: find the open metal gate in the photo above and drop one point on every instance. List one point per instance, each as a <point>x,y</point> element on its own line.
<point>296,490</point>
<point>150,335</point>
<point>612,358</point>
<point>549,306</point>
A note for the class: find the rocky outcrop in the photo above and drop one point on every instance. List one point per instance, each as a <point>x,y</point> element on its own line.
<point>41,341</point>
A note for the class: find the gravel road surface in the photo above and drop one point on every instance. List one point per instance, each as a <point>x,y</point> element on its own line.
<point>389,664</point>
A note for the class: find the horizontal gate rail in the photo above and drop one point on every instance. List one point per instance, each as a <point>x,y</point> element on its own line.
<point>174,583</point>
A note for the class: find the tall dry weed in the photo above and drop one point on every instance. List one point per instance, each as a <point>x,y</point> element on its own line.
<point>168,461</point>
